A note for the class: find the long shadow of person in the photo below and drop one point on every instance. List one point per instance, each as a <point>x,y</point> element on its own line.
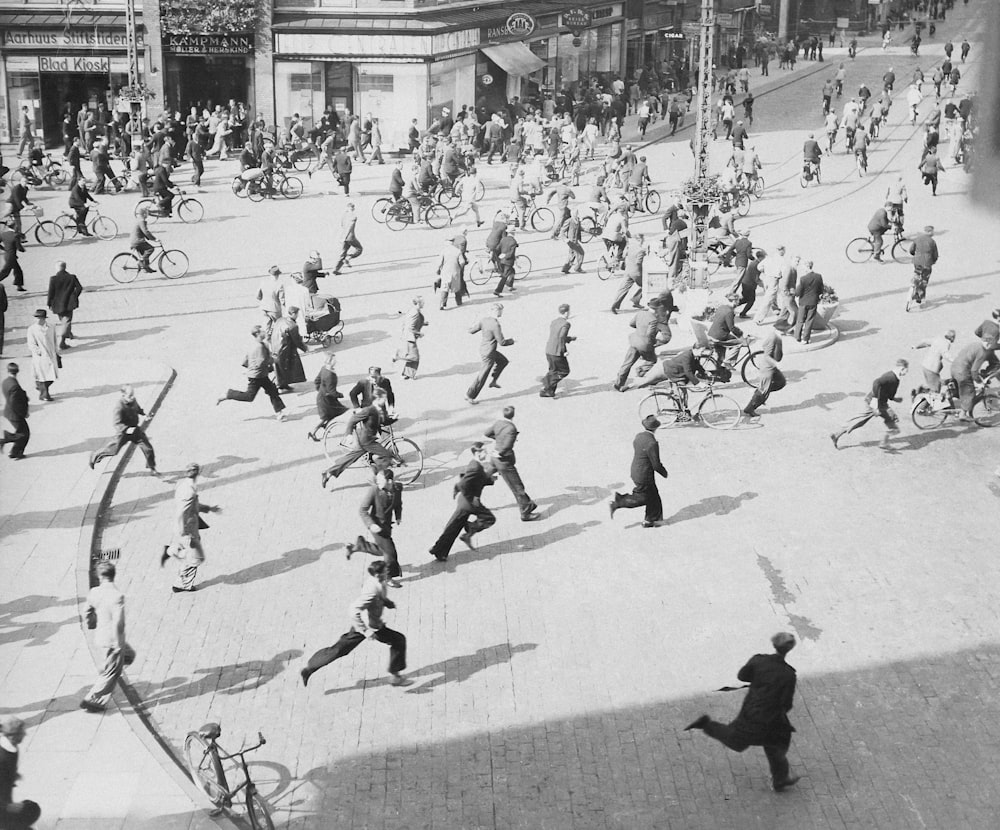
<point>710,506</point>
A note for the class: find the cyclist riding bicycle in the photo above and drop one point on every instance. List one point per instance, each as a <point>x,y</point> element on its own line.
<point>639,177</point>
<point>615,233</point>
<point>681,371</point>
<point>939,352</point>
<point>895,195</point>
<point>141,237</point>
<point>163,189</point>
<point>812,153</point>
<point>364,428</point>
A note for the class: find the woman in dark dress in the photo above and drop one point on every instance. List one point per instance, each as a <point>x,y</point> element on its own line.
<point>286,343</point>
<point>328,404</point>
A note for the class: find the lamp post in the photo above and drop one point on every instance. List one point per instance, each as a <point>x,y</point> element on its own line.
<point>132,51</point>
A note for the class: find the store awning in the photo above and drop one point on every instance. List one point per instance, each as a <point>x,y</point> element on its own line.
<point>47,20</point>
<point>513,58</point>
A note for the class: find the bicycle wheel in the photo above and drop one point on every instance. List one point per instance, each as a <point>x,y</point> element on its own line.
<point>302,162</point>
<point>260,817</point>
<point>750,371</point>
<point>477,274</point>
<point>604,270</point>
<point>662,405</point>
<point>450,197</point>
<point>240,188</point>
<point>923,414</point>
<point>174,264</point>
<point>398,216</point>
<point>652,201</point>
<point>190,211</point>
<point>413,461</point>
<point>291,187</point>
<point>206,769</point>
<point>803,181</point>
<point>743,204</point>
<point>148,205</point>
<point>588,229</point>
<point>542,219</point>
<point>719,411</point>
<point>67,224</point>
<point>124,268</point>
<point>522,266</point>
<point>380,208</point>
<point>48,233</point>
<point>757,187</point>
<point>818,180</point>
<point>859,250</point>
<point>986,410</point>
<point>104,227</point>
<point>901,251</point>
<point>712,261</point>
<point>437,216</point>
<point>255,192</point>
<point>480,192</point>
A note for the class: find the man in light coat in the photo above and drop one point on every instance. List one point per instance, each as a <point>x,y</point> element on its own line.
<point>450,267</point>
<point>44,354</point>
<point>106,614</point>
<point>186,547</point>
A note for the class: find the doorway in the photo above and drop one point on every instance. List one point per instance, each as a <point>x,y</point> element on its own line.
<point>73,89</point>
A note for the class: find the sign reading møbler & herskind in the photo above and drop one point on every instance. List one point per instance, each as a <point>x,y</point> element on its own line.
<point>517,26</point>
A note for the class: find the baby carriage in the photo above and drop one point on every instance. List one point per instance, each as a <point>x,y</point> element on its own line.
<point>323,322</point>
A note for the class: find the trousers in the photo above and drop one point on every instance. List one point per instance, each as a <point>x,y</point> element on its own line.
<point>623,289</point>
<point>862,418</point>
<point>558,369</point>
<point>575,260</point>
<point>65,327</point>
<point>350,640</point>
<point>114,446</point>
<point>384,546</point>
<point>508,472</point>
<point>494,362</point>
<point>18,439</point>
<point>631,358</point>
<point>459,523</point>
<point>190,555</point>
<point>114,662</point>
<point>777,753</point>
<point>348,458</point>
<point>350,242</point>
<point>643,494</point>
<point>254,385</point>
<point>804,323</point>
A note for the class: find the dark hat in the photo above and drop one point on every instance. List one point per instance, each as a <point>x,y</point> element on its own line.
<point>41,313</point>
<point>650,422</point>
<point>666,299</point>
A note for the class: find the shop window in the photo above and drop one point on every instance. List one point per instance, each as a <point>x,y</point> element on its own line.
<point>374,83</point>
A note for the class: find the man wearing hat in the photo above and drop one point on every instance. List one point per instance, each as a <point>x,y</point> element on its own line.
<point>646,465</point>
<point>45,358</point>
<point>186,547</point>
<point>13,814</point>
<point>763,718</point>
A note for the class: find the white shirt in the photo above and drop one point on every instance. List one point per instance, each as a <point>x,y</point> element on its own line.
<point>938,353</point>
<point>109,605</point>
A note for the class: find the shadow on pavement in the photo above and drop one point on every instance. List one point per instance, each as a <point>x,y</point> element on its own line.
<point>11,630</point>
<point>711,506</point>
<point>823,400</point>
<point>287,562</point>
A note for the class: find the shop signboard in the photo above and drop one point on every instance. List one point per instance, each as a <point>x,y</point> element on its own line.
<point>90,38</point>
<point>575,19</point>
<point>764,10</point>
<point>517,27</point>
<point>176,44</point>
<point>843,22</point>
<point>691,28</point>
<point>673,36</point>
<point>73,63</point>
<point>725,20</point>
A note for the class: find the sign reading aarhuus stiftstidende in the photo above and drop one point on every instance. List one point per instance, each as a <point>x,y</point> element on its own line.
<point>517,26</point>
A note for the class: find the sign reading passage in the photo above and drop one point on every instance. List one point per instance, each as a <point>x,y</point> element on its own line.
<point>66,63</point>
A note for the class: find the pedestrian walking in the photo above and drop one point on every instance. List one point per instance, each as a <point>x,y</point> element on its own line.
<point>127,431</point>
<point>17,815</point>
<point>186,547</point>
<point>450,268</point>
<point>646,465</point>
<point>636,251</point>
<point>504,433</point>
<point>412,331</point>
<point>15,410</point>
<point>492,359</point>
<point>286,343</point>
<point>807,294</point>
<point>64,298</point>
<point>271,296</point>
<point>574,262</point>
<point>884,389</point>
<point>348,226</point>
<point>4,305</point>
<point>763,718</point>
<point>381,505</point>
<point>105,615</point>
<point>925,256</point>
<point>366,624</point>
<point>45,359</point>
<point>258,363</point>
<point>468,503</point>
<point>555,352</point>
<point>328,405</point>
<point>929,168</point>
<point>342,167</point>
<point>468,196</point>
<point>770,378</point>
<point>26,126</point>
<point>506,255</point>
<point>10,241</point>
<point>749,280</point>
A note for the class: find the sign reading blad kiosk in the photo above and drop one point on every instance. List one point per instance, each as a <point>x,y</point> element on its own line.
<point>518,26</point>
<point>67,63</point>
<point>208,44</point>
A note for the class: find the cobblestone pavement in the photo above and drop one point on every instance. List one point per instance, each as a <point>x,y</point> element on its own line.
<point>556,665</point>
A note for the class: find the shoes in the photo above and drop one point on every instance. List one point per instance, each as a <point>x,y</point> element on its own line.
<point>304,674</point>
<point>494,385</point>
<point>613,310</point>
<point>312,436</point>
<point>835,437</point>
<point>90,705</point>
<point>219,400</point>
<point>21,288</point>
<point>530,517</point>
<point>65,345</point>
<point>613,505</point>
<point>473,401</point>
<point>280,415</point>
<point>399,680</point>
<point>395,583</point>
<point>153,472</point>
<point>466,539</point>
<point>700,723</point>
<point>649,524</point>
<point>788,782</point>
<point>90,461</point>
<point>165,555</point>
<point>544,394</point>
<point>325,476</point>
<point>349,550</point>
<point>440,557</point>
<point>532,507</point>
<point>190,590</point>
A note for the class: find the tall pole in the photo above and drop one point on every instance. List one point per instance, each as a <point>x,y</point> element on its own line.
<point>130,44</point>
<point>698,204</point>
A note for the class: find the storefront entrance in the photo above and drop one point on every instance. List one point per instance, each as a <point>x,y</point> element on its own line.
<point>74,89</point>
<point>206,81</point>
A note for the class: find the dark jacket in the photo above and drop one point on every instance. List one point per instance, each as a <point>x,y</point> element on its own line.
<point>884,389</point>
<point>559,336</point>
<point>327,397</point>
<point>740,249</point>
<point>381,507</point>
<point>64,292</point>
<point>15,399</point>
<point>127,414</point>
<point>504,433</point>
<point>763,718</point>
<point>809,289</point>
<point>474,478</point>
<point>924,250</point>
<point>646,458</point>
<point>362,392</point>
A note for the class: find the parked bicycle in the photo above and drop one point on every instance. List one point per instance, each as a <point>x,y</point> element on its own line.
<point>204,758</point>
<point>484,268</point>
<point>671,406</point>
<point>406,470</point>
<point>172,263</point>
<point>51,173</point>
<point>99,225</point>
<point>187,208</point>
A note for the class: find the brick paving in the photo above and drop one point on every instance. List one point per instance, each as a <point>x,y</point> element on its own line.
<point>555,666</point>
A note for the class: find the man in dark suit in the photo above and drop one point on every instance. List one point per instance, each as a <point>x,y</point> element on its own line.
<point>642,341</point>
<point>10,242</point>
<point>748,284</point>
<point>363,392</point>
<point>477,475</point>
<point>64,299</point>
<point>807,292</point>
<point>763,718</point>
<point>127,430</point>
<point>646,465</point>
<point>555,352</point>
<point>884,389</point>
<point>492,359</point>
<point>365,425</point>
<point>16,815</point>
<point>381,504</point>
<point>504,434</point>
<point>3,312</point>
<point>740,252</point>
<point>15,410</point>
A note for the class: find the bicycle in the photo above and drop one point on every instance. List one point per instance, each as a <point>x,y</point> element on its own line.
<point>47,232</point>
<point>50,173</point>
<point>281,183</point>
<point>739,201</point>
<point>752,186</point>
<point>400,214</point>
<point>670,406</point>
<point>861,162</point>
<point>643,198</point>
<point>539,217</point>
<point>172,263</point>
<point>450,195</point>
<point>479,275</point>
<point>406,471</point>
<point>810,171</point>
<point>189,209</point>
<point>713,254</point>
<point>607,268</point>
<point>744,362</point>
<point>101,226</point>
<point>930,410</point>
<point>204,758</point>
